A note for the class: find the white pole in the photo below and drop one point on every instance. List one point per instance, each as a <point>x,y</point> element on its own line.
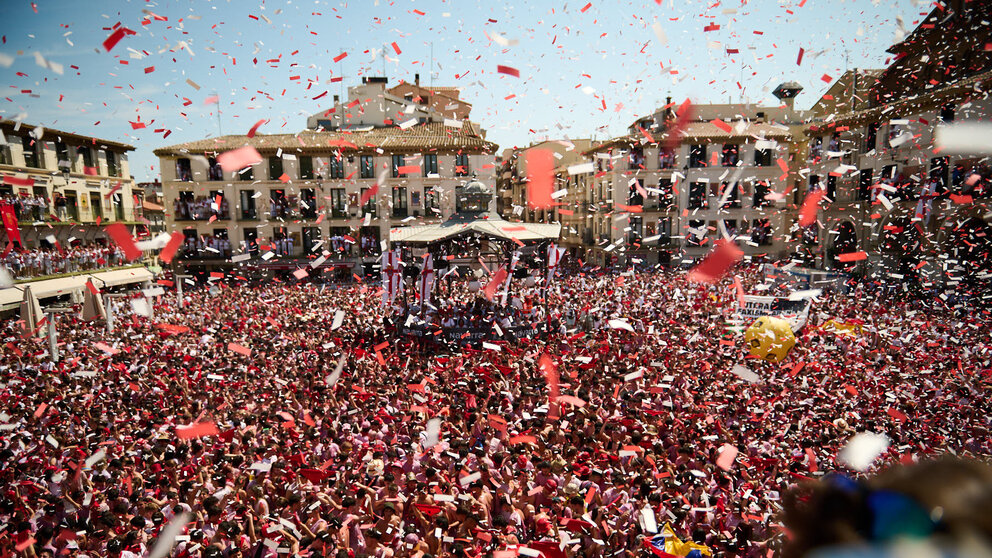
<point>53,346</point>
<point>109,307</point>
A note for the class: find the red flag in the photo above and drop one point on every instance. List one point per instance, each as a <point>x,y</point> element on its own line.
<point>10,223</point>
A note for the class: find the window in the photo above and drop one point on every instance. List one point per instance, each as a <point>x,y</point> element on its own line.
<point>62,154</point>
<point>696,233</point>
<point>831,187</point>
<point>275,168</point>
<point>399,202</point>
<point>762,157</point>
<point>113,164</point>
<point>218,204</point>
<point>461,164</point>
<point>368,167</point>
<point>251,241</point>
<point>397,163</point>
<point>431,206</point>
<point>306,167</point>
<point>308,203</point>
<point>871,137</point>
<point>697,195</point>
<point>761,232</point>
<point>118,200</point>
<point>339,203</point>
<point>814,182</point>
<point>834,144</point>
<point>31,158</point>
<point>666,158</point>
<point>665,196</point>
<point>5,158</point>
<point>278,204</point>
<point>761,191</point>
<point>248,205</point>
<point>311,239</point>
<point>370,204</point>
<point>337,166</point>
<point>730,195</point>
<point>697,156</point>
<point>185,209</point>
<point>247,173</point>
<point>864,184</point>
<point>87,155</point>
<point>184,172</point>
<point>731,155</point>
<point>816,148</point>
<point>947,113</point>
<point>636,158</point>
<point>214,170</point>
<point>430,164</point>
<point>634,196</point>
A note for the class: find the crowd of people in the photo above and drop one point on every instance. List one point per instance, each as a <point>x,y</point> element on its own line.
<point>55,260</point>
<point>28,208</point>
<point>284,420</point>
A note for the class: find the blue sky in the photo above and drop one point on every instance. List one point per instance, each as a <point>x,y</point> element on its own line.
<point>268,60</point>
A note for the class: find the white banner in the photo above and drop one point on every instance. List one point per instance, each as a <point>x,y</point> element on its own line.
<point>793,311</point>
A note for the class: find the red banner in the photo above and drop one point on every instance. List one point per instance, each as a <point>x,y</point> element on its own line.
<point>10,223</point>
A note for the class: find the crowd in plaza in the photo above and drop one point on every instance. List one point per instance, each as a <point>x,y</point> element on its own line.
<point>40,262</point>
<point>284,421</point>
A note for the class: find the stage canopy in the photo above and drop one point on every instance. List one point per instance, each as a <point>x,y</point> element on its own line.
<point>474,217</point>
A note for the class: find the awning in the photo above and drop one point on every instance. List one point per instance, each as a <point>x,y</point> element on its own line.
<point>491,227</point>
<point>151,206</point>
<point>48,288</point>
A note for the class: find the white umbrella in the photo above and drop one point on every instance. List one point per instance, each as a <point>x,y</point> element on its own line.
<point>31,313</point>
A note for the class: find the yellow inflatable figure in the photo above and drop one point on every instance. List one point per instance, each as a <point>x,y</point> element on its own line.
<point>770,339</point>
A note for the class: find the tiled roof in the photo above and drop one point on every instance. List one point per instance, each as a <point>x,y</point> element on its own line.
<point>431,136</point>
<point>52,133</point>
<point>707,131</point>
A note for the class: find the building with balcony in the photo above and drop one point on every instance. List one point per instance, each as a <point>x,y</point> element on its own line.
<point>890,190</point>
<point>663,193</point>
<point>64,185</point>
<point>331,193</point>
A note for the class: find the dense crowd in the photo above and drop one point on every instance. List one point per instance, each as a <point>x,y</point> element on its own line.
<point>40,262</point>
<point>284,420</point>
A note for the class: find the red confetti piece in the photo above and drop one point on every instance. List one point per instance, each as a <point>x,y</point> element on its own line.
<point>119,233</point>
<point>175,241</point>
<point>14,181</point>
<point>367,194</point>
<point>251,132</point>
<point>198,430</point>
<point>540,178</point>
<point>508,71</point>
<point>237,159</point>
<point>717,263</point>
<point>408,169</point>
<point>522,440</point>
<point>722,125</point>
<point>149,69</point>
<point>586,7</point>
<point>136,125</point>
<point>240,349</point>
<point>418,12</point>
<point>711,27</point>
<point>827,78</point>
<point>396,48</point>
<point>799,60</point>
<point>340,57</point>
<point>498,278</point>
<point>852,257</point>
<point>116,37</point>
<point>211,100</point>
<point>807,215</point>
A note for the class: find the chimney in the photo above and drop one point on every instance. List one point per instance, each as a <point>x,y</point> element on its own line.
<point>337,99</point>
<point>416,79</point>
<point>786,92</point>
